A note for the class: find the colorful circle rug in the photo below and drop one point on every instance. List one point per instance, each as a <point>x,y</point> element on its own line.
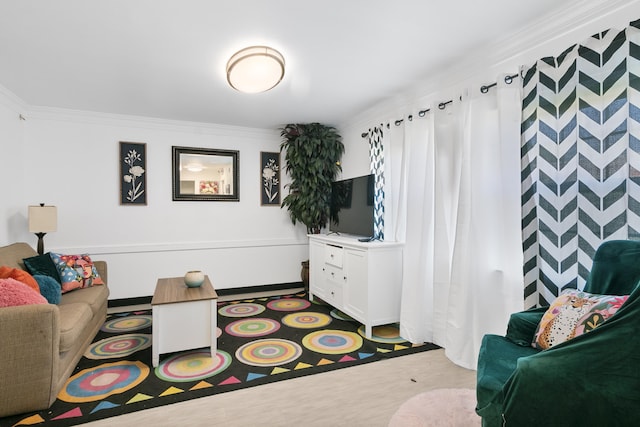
<point>337,314</point>
<point>127,324</point>
<point>244,309</point>
<point>118,346</point>
<point>306,320</point>
<point>253,327</point>
<point>268,352</point>
<point>193,366</point>
<point>288,304</point>
<point>100,382</point>
<point>332,341</point>
<point>388,334</point>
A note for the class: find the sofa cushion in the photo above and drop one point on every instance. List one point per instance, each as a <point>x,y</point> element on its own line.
<point>20,276</point>
<point>14,293</point>
<point>49,288</point>
<point>76,271</point>
<point>73,320</point>
<point>95,297</point>
<point>41,265</point>
<point>574,313</point>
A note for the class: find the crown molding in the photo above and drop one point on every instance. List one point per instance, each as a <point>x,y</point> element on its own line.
<point>26,111</point>
<point>11,100</point>
<point>570,24</point>
<point>120,120</point>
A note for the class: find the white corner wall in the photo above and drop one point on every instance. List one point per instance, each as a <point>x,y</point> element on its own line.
<point>70,159</point>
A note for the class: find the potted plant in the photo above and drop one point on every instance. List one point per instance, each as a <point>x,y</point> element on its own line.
<point>312,160</point>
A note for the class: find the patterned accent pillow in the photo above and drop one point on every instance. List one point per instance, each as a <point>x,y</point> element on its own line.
<point>574,313</point>
<point>76,271</point>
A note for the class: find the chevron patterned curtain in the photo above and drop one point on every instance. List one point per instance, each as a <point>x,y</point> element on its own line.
<point>377,168</point>
<point>580,159</point>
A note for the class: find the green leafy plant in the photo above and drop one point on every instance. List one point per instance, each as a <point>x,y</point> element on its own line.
<point>313,153</point>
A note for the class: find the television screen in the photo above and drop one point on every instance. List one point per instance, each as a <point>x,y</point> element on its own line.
<point>352,206</point>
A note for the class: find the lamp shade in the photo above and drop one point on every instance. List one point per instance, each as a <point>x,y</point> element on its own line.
<point>255,69</point>
<point>43,219</point>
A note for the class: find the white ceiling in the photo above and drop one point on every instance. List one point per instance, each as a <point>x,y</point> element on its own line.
<point>166,58</point>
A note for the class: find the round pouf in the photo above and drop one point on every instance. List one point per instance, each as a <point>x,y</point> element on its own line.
<point>451,407</point>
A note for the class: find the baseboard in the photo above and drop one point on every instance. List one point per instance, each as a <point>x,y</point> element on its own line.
<point>261,288</point>
<point>124,302</point>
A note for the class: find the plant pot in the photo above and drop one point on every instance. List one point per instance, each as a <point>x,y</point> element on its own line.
<point>304,274</point>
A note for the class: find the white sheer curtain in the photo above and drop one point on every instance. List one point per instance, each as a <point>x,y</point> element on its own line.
<point>455,192</point>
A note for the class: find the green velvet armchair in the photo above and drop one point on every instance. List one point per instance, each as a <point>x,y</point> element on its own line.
<point>592,379</point>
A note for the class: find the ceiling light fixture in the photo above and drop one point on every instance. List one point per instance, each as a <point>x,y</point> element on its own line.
<point>255,69</point>
<point>195,167</point>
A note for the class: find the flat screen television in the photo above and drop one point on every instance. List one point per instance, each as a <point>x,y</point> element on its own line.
<point>352,206</point>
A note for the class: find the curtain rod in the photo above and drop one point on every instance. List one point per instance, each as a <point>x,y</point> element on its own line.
<point>507,79</point>
<point>484,89</point>
<point>421,113</point>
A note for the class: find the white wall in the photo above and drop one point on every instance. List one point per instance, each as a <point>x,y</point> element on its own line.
<point>12,169</point>
<point>70,159</point>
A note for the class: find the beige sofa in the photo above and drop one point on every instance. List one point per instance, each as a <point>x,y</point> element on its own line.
<point>41,344</point>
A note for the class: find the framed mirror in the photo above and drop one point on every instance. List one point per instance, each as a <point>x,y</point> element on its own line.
<point>205,174</point>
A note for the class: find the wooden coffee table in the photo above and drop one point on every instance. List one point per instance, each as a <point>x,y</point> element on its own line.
<point>183,318</point>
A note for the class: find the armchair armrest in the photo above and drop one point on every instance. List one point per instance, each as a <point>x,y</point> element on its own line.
<point>30,337</point>
<point>522,326</point>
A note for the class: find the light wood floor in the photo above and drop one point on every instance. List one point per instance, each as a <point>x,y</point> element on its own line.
<point>361,396</point>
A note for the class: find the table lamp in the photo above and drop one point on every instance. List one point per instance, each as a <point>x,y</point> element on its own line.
<point>42,220</point>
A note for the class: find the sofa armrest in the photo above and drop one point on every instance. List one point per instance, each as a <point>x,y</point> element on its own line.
<point>30,339</point>
<point>101,266</point>
<point>522,325</point>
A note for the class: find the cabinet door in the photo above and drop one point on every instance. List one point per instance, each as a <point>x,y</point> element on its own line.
<point>355,293</point>
<point>317,279</point>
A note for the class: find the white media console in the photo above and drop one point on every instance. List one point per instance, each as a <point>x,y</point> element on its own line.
<point>362,279</point>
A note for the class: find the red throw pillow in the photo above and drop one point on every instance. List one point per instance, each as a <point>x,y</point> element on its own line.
<point>20,275</point>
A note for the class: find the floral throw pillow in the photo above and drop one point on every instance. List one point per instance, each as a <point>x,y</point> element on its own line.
<point>574,313</point>
<point>76,271</point>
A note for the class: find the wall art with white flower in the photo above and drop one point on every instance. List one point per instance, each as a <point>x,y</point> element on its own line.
<point>133,169</point>
<point>270,178</point>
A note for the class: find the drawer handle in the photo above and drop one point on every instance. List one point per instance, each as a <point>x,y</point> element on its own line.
<point>331,255</point>
<point>333,294</point>
<point>333,274</point>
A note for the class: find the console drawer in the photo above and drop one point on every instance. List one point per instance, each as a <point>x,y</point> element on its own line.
<point>333,255</point>
<point>334,274</point>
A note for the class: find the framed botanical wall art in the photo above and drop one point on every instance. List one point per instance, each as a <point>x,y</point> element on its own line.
<point>133,169</point>
<point>270,178</point>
